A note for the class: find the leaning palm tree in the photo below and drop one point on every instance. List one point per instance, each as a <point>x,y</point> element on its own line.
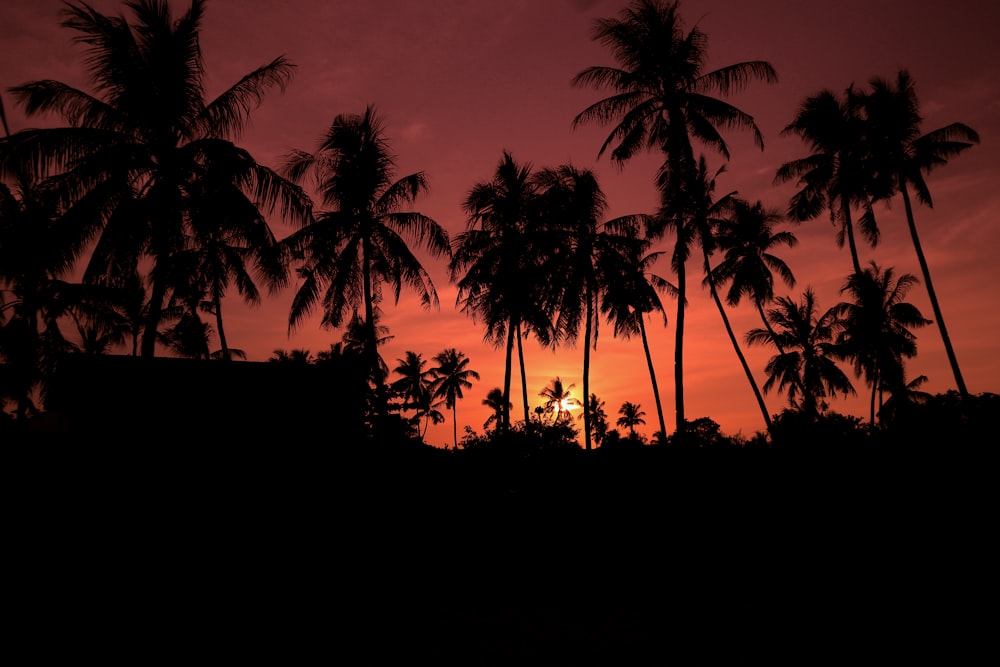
<point>132,161</point>
<point>906,154</point>
<point>497,264</point>
<point>837,174</point>
<point>662,99</point>
<point>807,370</point>
<point>361,239</point>
<point>451,375</point>
<point>876,332</point>
<point>631,416</point>
<point>706,214</point>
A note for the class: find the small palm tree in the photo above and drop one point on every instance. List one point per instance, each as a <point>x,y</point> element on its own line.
<point>876,334</point>
<point>599,419</point>
<point>631,416</point>
<point>451,375</point>
<point>807,369</point>
<point>494,401</point>
<point>558,400</point>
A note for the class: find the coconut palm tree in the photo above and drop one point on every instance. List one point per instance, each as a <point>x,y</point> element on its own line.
<point>590,255</point>
<point>598,419</point>
<point>747,238</point>
<point>662,99</point>
<point>414,378</point>
<point>807,370</point>
<point>631,416</point>
<point>361,239</point>
<point>628,299</point>
<point>876,328</point>
<point>498,265</point>
<point>451,375</point>
<point>706,215</point>
<point>837,174</point>
<point>132,161</point>
<point>558,400</point>
<point>494,401</point>
<point>893,111</point>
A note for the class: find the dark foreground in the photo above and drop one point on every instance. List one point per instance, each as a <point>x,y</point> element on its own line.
<point>285,553</point>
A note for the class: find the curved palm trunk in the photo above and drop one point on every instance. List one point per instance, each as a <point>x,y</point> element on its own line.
<point>736,345</point>
<point>952,359</point>
<point>652,376</point>
<point>524,377</point>
<point>849,229</point>
<point>586,370</point>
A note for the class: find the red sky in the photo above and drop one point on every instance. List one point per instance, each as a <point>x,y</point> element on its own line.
<point>460,81</point>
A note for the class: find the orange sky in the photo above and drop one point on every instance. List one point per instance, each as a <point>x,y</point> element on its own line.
<point>459,81</point>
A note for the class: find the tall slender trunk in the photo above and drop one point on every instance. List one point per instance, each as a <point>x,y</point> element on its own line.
<point>153,315</point>
<point>505,422</point>
<point>652,377</point>
<point>952,359</point>
<point>679,338</point>
<point>371,344</point>
<point>454,422</point>
<point>586,369</point>
<point>524,377</point>
<point>736,345</point>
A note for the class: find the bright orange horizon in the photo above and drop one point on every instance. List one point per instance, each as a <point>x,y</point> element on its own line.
<point>458,83</point>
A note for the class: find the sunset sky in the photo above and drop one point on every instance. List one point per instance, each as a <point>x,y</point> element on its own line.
<point>460,81</point>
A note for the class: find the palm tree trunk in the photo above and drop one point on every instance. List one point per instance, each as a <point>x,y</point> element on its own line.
<point>524,377</point>
<point>586,369</point>
<point>679,341</point>
<point>652,377</point>
<point>736,345</point>
<point>505,423</point>
<point>381,406</point>
<point>849,230</point>
<point>153,317</point>
<point>217,302</point>
<point>952,359</point>
<point>454,422</point>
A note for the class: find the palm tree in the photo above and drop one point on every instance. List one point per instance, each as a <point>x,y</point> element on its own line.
<point>631,416</point>
<point>807,370</point>
<point>662,98</point>
<point>598,419</point>
<point>627,300</point>
<point>451,375</point>
<point>134,161</point>
<point>558,400</point>
<point>875,334</point>
<point>706,215</point>
<point>497,264</point>
<point>414,378</point>
<point>590,255</point>
<point>494,401</point>
<point>893,110</point>
<point>360,240</point>
<point>837,174</point>
<point>747,238</point>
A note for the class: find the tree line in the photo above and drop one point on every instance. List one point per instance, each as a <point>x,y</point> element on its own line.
<point>146,185</point>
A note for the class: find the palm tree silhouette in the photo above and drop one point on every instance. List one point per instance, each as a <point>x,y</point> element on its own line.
<point>905,154</point>
<point>590,254</point>
<point>747,238</point>
<point>837,173</point>
<point>628,298</point>
<point>134,160</point>
<point>662,98</point>
<point>451,376</point>
<point>807,370</point>
<point>497,265</point>
<point>359,241</point>
<point>558,400</point>
<point>875,332</point>
<point>706,215</point>
<point>631,416</point>
<point>494,401</point>
<point>598,419</point>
